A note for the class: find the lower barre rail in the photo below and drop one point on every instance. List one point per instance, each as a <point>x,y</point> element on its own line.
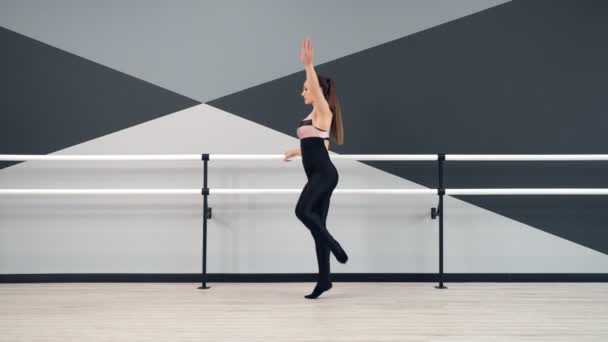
<point>463,192</point>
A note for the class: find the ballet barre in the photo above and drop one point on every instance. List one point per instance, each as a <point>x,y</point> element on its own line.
<point>380,157</point>
<point>249,191</point>
<point>440,191</point>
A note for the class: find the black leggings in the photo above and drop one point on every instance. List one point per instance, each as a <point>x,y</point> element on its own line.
<point>313,204</point>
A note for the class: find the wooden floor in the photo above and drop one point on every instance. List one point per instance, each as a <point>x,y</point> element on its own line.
<point>278,312</point>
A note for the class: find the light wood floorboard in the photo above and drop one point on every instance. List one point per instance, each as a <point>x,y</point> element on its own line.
<point>278,312</point>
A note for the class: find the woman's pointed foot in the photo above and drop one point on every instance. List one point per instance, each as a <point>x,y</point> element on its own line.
<point>340,254</point>
<point>318,290</point>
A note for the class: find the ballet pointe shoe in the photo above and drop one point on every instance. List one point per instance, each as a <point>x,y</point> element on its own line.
<point>339,253</point>
<point>318,290</point>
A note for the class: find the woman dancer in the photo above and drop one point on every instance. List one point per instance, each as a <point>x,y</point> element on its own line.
<point>314,132</point>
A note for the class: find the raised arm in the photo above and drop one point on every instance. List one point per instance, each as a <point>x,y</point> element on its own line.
<point>306,56</point>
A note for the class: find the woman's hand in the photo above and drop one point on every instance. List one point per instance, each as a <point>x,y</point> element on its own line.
<point>291,153</point>
<point>306,52</point>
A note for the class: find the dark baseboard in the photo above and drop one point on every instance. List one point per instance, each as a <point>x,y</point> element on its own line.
<point>299,277</point>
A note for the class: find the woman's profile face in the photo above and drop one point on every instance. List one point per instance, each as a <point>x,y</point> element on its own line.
<point>306,93</point>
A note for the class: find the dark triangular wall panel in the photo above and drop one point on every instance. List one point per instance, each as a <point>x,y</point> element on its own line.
<point>52,99</point>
